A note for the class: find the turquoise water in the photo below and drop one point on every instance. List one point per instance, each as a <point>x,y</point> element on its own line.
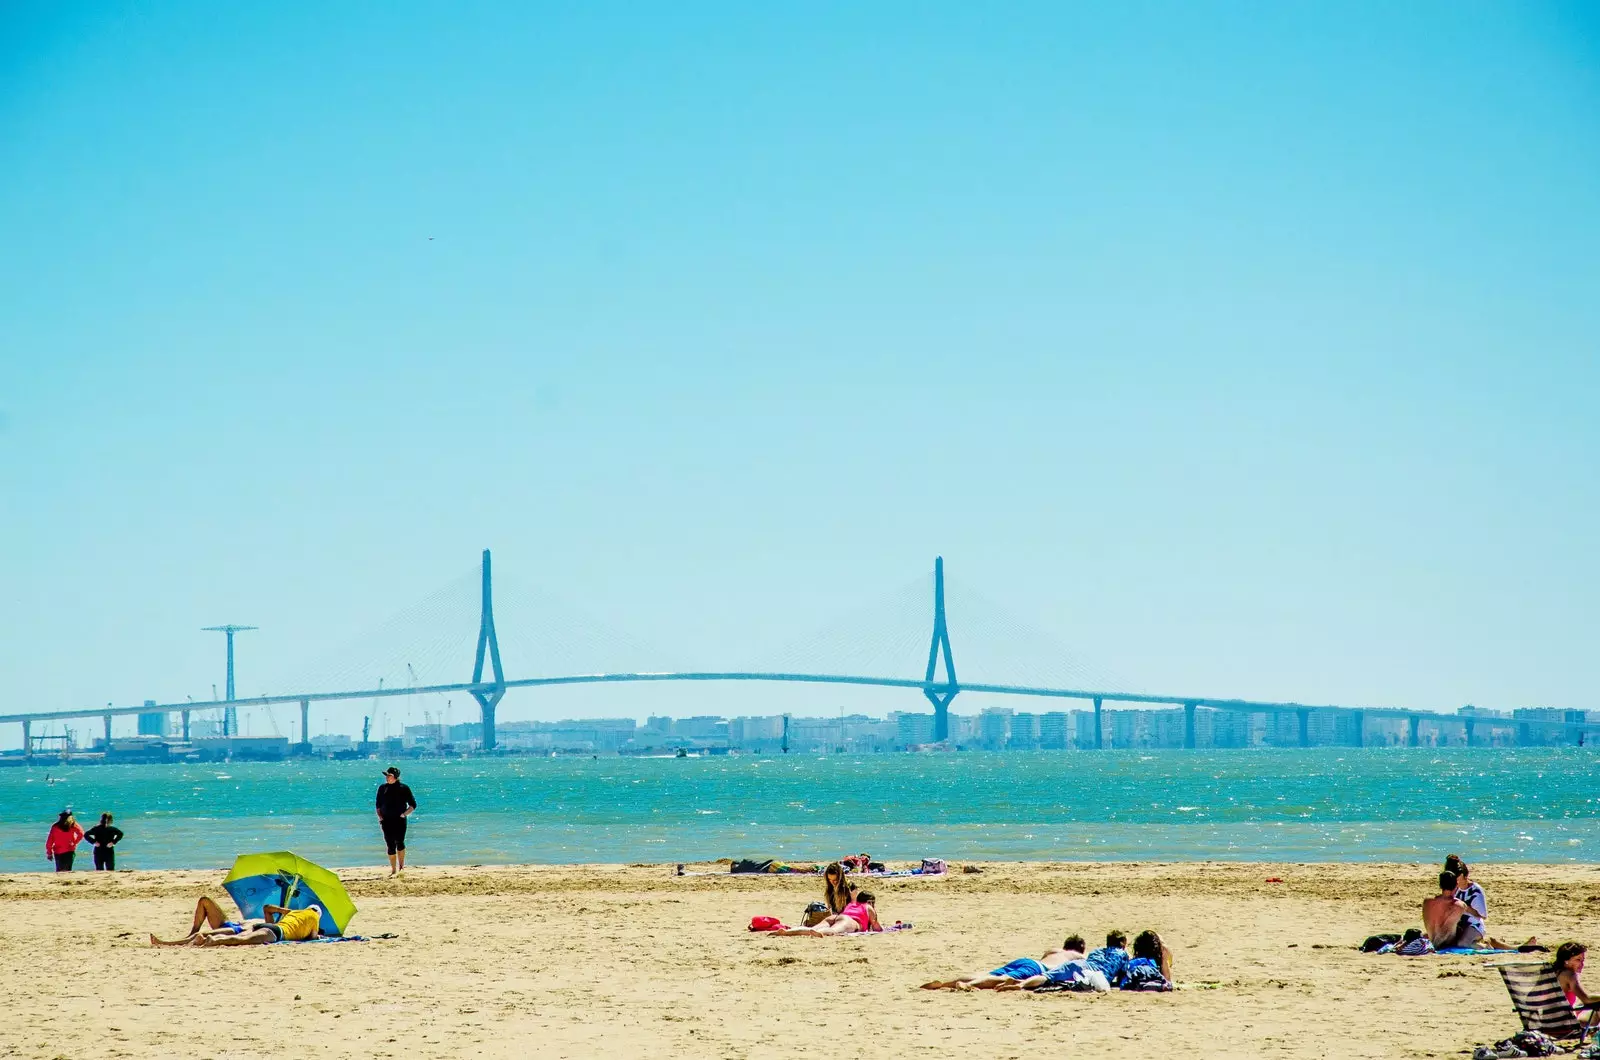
<point>1337,804</point>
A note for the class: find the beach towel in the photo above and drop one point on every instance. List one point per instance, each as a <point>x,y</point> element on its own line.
<point>1424,948</point>
<point>333,938</point>
<point>769,870</point>
<point>771,923</point>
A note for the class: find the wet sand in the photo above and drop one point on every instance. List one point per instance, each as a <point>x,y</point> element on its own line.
<point>582,961</point>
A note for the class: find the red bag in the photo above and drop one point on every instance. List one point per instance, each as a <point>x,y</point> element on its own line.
<point>765,923</point>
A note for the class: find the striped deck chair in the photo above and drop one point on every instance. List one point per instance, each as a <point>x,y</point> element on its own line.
<point>1539,1000</point>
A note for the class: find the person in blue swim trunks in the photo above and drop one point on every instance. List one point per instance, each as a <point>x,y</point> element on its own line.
<point>1008,975</point>
<point>1070,972</point>
<point>209,920</point>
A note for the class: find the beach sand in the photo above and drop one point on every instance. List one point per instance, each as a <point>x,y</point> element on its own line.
<point>585,961</point>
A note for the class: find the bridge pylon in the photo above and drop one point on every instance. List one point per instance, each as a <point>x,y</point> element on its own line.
<point>940,694</point>
<point>488,645</point>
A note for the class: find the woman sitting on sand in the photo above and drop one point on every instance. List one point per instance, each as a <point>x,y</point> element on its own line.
<point>1568,966</point>
<point>837,893</point>
<point>859,914</point>
<point>837,890</point>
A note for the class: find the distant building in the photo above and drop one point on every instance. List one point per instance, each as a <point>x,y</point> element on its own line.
<point>425,737</point>
<point>1023,734</point>
<point>152,723</point>
<point>1123,728</point>
<point>1053,731</point>
<point>1083,729</point>
<point>243,748</point>
<point>755,734</point>
<point>994,728</point>
<point>709,727</point>
<point>913,730</point>
<point>331,743</point>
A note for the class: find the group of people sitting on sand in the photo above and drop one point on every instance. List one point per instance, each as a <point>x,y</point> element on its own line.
<point>1075,967</point>
<point>1458,916</point>
<point>211,927</point>
<point>844,908</point>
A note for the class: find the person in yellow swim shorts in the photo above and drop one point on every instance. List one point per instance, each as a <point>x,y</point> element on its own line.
<point>280,925</point>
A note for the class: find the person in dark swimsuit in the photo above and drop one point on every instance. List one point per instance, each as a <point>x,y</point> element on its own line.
<point>105,838</point>
<point>395,803</point>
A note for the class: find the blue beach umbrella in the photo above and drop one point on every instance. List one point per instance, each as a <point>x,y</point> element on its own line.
<point>289,880</point>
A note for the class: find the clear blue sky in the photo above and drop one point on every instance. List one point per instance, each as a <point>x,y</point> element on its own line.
<point>1252,350</point>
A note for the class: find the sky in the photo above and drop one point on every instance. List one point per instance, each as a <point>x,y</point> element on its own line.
<point>1241,351</point>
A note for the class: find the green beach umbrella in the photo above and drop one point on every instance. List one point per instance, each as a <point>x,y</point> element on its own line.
<point>287,879</point>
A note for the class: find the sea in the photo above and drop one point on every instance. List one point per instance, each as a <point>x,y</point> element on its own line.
<point>1329,804</point>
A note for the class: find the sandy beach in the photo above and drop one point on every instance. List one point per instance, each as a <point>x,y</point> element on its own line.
<point>578,961</point>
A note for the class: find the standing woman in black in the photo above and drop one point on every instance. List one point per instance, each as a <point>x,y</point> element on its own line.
<point>395,803</point>
<point>105,839</point>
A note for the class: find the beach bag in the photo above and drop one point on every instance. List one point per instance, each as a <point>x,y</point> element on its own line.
<point>1375,943</point>
<point>765,923</point>
<point>934,866</point>
<point>745,865</point>
<point>815,914</point>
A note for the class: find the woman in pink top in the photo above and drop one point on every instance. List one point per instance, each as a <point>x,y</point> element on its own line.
<point>1568,966</point>
<point>860,915</point>
<point>61,842</point>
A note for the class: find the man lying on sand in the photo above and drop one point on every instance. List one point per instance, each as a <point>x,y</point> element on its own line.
<point>1011,975</point>
<point>861,914</point>
<point>279,925</point>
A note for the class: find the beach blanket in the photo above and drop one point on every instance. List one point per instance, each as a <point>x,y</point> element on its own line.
<point>333,938</point>
<point>784,870</point>
<point>1414,944</point>
<point>1424,948</point>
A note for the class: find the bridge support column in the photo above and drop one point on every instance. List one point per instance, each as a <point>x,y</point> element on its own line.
<point>1305,726</point>
<point>940,695</point>
<point>1468,725</point>
<point>1524,734</point>
<point>1358,727</point>
<point>27,738</point>
<point>108,732</point>
<point>1099,729</point>
<point>1188,726</point>
<point>305,726</point>
<point>1414,730</point>
<point>488,694</point>
<point>186,726</point>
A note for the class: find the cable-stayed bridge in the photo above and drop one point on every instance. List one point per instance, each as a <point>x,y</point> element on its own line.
<point>938,681</point>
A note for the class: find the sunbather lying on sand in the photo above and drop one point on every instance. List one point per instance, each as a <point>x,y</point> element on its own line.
<point>279,925</point>
<point>860,914</point>
<point>1011,975</point>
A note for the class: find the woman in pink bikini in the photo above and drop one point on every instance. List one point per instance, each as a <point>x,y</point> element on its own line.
<point>860,915</point>
<point>1569,966</point>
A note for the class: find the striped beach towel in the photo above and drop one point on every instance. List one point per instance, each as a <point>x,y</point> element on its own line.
<point>1539,1000</point>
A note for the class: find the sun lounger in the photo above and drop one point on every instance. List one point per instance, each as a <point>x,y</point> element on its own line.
<point>1539,1000</point>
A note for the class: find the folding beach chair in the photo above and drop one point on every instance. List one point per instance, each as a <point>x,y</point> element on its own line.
<point>1540,1002</point>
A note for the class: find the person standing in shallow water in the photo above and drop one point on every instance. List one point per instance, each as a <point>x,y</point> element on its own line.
<point>105,838</point>
<point>395,803</point>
